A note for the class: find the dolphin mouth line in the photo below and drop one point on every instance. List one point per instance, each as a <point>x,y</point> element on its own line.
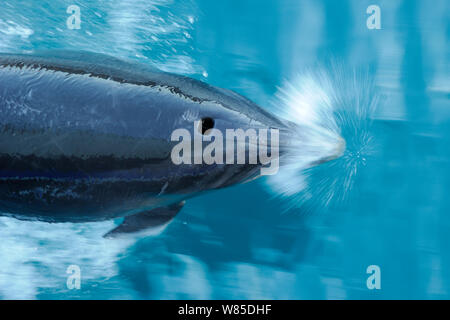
<point>338,152</point>
<point>341,147</point>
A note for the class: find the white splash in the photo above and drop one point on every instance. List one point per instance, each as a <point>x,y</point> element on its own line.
<point>331,110</point>
<point>10,28</point>
<point>34,256</point>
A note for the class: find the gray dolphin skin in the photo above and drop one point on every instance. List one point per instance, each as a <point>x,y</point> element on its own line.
<point>87,137</point>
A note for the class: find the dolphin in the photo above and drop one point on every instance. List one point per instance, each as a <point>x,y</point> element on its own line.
<point>87,137</point>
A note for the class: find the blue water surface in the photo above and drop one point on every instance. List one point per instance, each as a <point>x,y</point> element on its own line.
<point>240,242</point>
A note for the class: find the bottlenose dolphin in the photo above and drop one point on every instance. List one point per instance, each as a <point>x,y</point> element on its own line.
<point>87,137</point>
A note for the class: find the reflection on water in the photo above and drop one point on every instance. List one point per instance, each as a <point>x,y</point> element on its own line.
<point>235,243</point>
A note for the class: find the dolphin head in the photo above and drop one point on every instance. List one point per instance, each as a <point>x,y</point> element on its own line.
<point>233,140</point>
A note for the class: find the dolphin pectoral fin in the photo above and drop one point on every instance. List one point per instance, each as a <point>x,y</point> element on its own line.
<point>147,223</point>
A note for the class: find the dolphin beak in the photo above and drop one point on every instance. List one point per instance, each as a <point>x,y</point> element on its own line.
<point>340,148</point>
<point>337,152</point>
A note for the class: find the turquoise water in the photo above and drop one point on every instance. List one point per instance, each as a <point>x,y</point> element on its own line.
<point>241,242</point>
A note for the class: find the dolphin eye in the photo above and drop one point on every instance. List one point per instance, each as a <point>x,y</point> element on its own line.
<point>207,123</point>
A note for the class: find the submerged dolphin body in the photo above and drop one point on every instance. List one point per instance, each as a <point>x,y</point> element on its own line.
<point>87,137</point>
